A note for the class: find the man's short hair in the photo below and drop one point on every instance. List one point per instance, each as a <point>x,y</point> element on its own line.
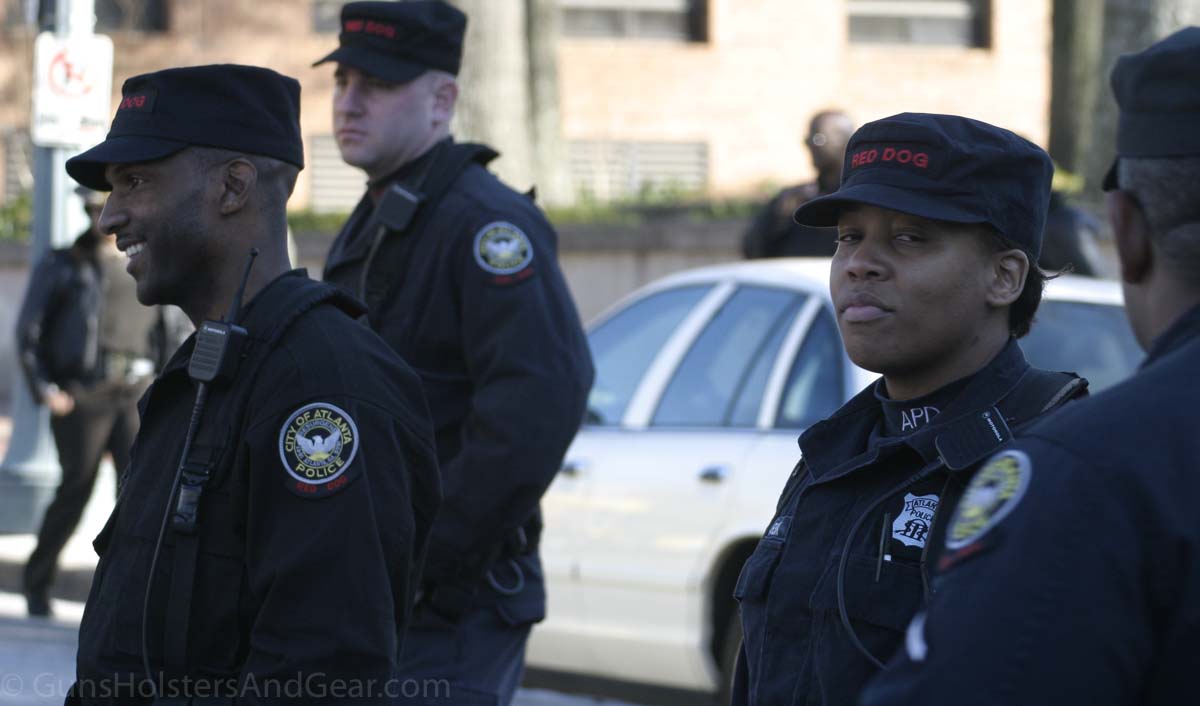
<point>1168,191</point>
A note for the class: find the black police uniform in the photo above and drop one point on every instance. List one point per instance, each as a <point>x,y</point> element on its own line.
<point>853,525</point>
<point>82,329</point>
<point>1074,561</point>
<point>292,579</point>
<point>841,568</point>
<point>289,526</point>
<point>460,276</point>
<point>499,347</point>
<point>1070,571</point>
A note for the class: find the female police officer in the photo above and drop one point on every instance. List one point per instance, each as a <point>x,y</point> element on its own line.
<point>939,223</point>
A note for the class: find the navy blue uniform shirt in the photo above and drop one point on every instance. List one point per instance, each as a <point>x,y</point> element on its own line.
<point>478,306</point>
<point>1072,568</point>
<point>294,577</point>
<point>796,650</point>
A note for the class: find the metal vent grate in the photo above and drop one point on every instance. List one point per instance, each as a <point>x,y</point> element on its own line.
<point>615,170</point>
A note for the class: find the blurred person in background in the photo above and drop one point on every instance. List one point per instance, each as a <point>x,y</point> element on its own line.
<point>1071,238</point>
<point>88,350</point>
<point>774,232</point>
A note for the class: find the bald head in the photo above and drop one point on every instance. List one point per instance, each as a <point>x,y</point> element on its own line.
<point>828,133</point>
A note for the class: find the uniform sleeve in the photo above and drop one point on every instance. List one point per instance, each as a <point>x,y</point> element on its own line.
<point>331,535</point>
<point>1040,598</point>
<point>40,297</point>
<point>531,370</point>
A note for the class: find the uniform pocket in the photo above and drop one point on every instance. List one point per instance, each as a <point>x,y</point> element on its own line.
<point>756,573</point>
<point>889,602</point>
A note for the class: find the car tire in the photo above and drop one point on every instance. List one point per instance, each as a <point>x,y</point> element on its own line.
<point>730,646</point>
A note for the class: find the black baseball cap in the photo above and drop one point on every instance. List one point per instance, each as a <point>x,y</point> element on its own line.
<point>242,108</point>
<point>946,168</point>
<point>1158,93</point>
<point>399,41</point>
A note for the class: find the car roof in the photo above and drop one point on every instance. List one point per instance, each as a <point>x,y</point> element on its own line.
<point>811,274</point>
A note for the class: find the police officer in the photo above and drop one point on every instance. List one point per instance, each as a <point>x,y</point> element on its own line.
<point>1071,568</point>
<point>269,530</point>
<point>939,220</point>
<point>460,276</point>
<point>774,233</point>
<point>88,351</point>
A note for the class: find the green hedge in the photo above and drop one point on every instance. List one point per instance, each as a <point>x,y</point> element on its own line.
<point>16,218</point>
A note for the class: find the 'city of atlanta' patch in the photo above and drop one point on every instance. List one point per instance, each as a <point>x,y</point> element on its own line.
<point>317,444</point>
<point>991,495</point>
<point>502,249</point>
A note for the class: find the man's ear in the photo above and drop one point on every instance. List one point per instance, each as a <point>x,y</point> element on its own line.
<point>1010,268</point>
<point>238,177</point>
<point>1132,236</point>
<point>445,97</point>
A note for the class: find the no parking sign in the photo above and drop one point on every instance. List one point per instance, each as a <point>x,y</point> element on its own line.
<point>72,88</point>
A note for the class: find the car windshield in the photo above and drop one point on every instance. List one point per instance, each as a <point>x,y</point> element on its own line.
<point>1091,340</point>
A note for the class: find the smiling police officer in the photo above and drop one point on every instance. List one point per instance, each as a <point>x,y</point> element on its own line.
<point>939,223</point>
<point>460,276</point>
<point>1071,569</point>
<point>271,521</point>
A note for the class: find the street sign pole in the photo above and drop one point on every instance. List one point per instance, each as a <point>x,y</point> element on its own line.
<point>69,114</point>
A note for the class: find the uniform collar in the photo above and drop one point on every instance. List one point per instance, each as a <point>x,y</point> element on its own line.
<point>837,446</point>
<point>259,315</point>
<point>1184,328</point>
<point>407,173</point>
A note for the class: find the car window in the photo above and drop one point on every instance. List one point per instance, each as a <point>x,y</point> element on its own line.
<point>814,385</point>
<point>704,387</point>
<point>749,399</point>
<point>624,346</point>
<point>1092,340</point>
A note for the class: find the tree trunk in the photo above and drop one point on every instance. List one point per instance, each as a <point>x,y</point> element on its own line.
<point>1129,26</point>
<point>1076,81</point>
<point>494,100</point>
<point>549,148</point>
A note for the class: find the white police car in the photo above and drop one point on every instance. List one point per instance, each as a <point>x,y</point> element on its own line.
<point>704,381</point>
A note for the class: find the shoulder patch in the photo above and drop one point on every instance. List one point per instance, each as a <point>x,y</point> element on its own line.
<point>317,444</point>
<point>501,248</point>
<point>991,495</point>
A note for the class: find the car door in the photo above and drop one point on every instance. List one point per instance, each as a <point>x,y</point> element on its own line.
<point>658,486</point>
<point>624,347</point>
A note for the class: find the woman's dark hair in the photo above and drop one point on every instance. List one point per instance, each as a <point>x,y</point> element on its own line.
<point>1021,312</point>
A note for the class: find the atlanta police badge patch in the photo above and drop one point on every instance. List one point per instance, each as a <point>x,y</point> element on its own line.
<point>911,527</point>
<point>502,248</point>
<point>991,495</point>
<point>317,444</point>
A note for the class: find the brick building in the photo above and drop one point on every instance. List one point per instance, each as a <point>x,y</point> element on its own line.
<point>710,95</point>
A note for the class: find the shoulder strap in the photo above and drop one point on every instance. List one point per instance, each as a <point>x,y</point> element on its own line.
<point>967,441</point>
<point>385,274</point>
<point>210,454</point>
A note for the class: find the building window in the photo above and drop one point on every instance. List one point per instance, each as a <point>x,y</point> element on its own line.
<point>326,16</point>
<point>336,186</point>
<point>608,171</point>
<point>961,23</point>
<point>672,20</point>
